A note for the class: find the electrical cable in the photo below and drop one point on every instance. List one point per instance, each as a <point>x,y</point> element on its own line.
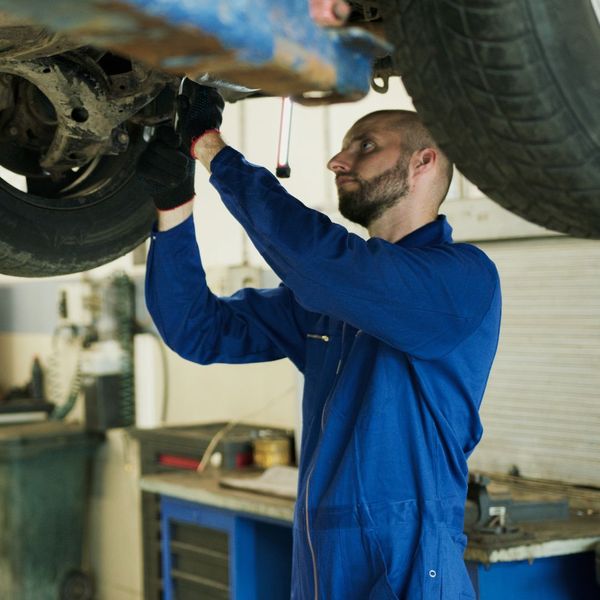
<point>206,456</point>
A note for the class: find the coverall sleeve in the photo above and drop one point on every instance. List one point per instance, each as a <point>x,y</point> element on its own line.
<point>250,326</point>
<point>424,301</point>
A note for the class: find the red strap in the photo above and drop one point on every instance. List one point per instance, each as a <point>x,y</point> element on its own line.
<point>174,207</point>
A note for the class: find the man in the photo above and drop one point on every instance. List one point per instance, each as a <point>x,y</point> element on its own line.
<point>395,336</point>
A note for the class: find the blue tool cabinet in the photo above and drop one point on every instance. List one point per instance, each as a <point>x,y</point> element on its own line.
<point>258,556</point>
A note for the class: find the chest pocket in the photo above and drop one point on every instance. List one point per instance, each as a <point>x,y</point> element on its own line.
<point>318,373</point>
<point>322,355</point>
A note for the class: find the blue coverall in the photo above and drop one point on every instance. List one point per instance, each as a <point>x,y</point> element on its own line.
<point>395,341</point>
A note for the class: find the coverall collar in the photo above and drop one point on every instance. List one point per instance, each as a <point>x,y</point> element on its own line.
<point>430,234</point>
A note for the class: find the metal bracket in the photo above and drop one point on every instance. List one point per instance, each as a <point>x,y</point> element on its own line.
<point>268,44</point>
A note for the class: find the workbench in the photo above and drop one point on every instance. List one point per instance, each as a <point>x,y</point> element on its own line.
<point>545,561</point>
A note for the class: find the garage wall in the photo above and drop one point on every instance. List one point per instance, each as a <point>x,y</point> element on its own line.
<point>541,412</point>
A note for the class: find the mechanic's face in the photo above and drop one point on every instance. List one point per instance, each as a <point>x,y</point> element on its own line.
<point>371,171</point>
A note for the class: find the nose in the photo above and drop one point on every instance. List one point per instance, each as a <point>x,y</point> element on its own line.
<point>339,163</point>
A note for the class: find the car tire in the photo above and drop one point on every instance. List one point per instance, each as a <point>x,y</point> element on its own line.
<point>510,90</point>
<point>41,236</point>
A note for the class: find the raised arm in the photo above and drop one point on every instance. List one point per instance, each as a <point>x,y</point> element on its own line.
<point>422,300</point>
<point>252,325</point>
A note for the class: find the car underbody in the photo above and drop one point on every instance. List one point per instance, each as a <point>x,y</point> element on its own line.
<point>509,89</point>
<point>64,105</point>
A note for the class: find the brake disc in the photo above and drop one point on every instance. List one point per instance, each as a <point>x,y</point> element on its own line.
<point>89,106</point>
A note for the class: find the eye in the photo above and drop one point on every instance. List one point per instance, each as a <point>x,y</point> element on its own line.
<point>366,145</point>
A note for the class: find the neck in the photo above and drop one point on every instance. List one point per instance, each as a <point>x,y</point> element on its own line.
<point>400,220</point>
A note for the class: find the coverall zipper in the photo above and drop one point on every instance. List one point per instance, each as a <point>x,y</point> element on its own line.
<point>324,338</point>
<point>310,546</point>
<point>337,372</point>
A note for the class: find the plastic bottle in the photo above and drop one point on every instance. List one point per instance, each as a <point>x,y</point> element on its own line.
<point>37,381</point>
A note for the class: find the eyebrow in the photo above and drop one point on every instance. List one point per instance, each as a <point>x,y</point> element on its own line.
<point>358,137</point>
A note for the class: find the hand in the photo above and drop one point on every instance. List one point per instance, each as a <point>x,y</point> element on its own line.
<point>200,109</point>
<point>167,170</point>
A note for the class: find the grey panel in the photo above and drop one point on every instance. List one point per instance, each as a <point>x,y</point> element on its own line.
<point>541,411</point>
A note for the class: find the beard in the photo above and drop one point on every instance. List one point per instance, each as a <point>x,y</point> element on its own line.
<point>370,198</point>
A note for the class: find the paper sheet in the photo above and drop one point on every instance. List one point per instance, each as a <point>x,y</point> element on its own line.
<point>276,481</point>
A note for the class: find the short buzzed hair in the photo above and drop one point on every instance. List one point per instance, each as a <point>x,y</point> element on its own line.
<point>416,137</point>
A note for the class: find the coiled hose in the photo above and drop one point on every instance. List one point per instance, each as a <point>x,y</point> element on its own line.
<point>55,388</point>
<point>124,310</point>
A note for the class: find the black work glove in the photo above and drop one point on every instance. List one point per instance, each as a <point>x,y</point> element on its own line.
<point>199,109</point>
<point>167,170</point>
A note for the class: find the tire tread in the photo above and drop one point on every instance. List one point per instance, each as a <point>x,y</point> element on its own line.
<point>490,68</point>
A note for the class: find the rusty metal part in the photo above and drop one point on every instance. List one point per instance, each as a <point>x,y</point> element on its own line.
<point>231,92</point>
<point>383,69</point>
<point>18,41</point>
<point>377,30</point>
<point>323,98</point>
<point>63,108</point>
<point>364,11</point>
<point>89,106</point>
<point>262,44</point>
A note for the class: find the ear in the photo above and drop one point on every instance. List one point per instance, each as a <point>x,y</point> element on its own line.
<point>423,161</point>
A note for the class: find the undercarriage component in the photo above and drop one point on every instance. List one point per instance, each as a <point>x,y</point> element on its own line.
<point>231,92</point>
<point>508,88</point>
<point>23,41</point>
<point>84,106</point>
<point>383,69</point>
<point>258,43</point>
